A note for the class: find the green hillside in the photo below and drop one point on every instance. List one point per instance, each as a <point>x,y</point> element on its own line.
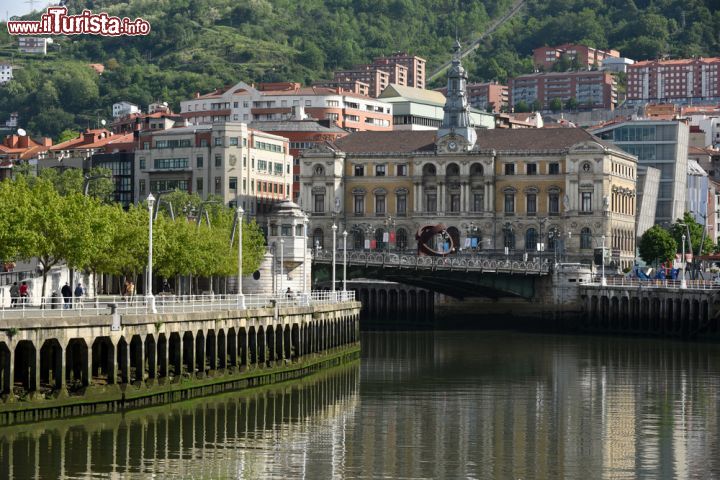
<point>197,45</point>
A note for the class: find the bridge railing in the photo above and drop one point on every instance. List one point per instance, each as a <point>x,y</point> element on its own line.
<point>655,283</point>
<point>451,262</point>
<point>55,307</point>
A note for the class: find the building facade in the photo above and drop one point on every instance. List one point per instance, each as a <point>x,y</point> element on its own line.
<point>245,103</point>
<point>377,78</point>
<point>121,109</point>
<point>487,96</point>
<point>503,192</point>
<point>226,160</point>
<point>414,64</point>
<point>545,58</point>
<point>681,81</point>
<point>420,109</point>
<point>34,44</point>
<point>588,89</point>
<point>659,144</point>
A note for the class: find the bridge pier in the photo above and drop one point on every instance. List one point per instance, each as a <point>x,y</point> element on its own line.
<point>652,311</point>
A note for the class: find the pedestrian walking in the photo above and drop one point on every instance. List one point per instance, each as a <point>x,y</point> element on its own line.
<point>24,292</point>
<point>14,294</point>
<point>79,292</point>
<point>67,296</point>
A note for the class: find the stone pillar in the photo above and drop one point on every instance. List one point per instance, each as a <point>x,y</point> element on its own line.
<point>419,199</point>
<point>35,380</point>
<point>58,363</point>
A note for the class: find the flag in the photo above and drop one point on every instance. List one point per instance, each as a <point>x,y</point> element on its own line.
<point>367,244</point>
<point>386,237</point>
<point>373,244</point>
<point>474,242</point>
<point>467,242</point>
<point>392,237</point>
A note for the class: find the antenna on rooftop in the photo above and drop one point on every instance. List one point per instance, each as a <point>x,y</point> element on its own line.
<point>31,3</point>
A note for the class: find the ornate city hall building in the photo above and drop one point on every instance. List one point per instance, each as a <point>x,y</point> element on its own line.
<point>554,192</point>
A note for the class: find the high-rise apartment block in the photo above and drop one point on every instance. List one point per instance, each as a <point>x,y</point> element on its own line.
<point>590,89</point>
<point>680,81</point>
<point>414,64</point>
<point>544,58</point>
<point>399,69</point>
<point>484,96</point>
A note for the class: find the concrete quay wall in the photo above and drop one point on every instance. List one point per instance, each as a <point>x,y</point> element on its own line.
<point>58,367</point>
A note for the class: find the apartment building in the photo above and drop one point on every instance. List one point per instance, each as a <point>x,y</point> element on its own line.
<point>680,81</point>
<point>414,64</point>
<point>121,109</point>
<point>34,44</point>
<point>544,58</point>
<point>346,84</point>
<point>275,101</point>
<point>226,160</point>
<point>377,78</point>
<point>590,89</point>
<point>485,96</point>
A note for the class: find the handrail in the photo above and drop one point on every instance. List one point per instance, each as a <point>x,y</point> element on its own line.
<point>451,262</point>
<point>56,307</point>
<point>655,283</point>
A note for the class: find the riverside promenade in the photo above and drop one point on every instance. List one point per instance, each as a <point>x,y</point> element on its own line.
<point>109,356</point>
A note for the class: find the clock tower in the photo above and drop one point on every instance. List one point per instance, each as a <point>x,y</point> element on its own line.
<point>456,134</point>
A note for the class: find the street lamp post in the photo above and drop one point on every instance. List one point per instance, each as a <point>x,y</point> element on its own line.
<point>334,230</point>
<point>344,263</point>
<point>148,294</point>
<point>683,282</point>
<point>282,260</point>
<point>305,259</point>
<point>240,297</point>
<point>603,280</point>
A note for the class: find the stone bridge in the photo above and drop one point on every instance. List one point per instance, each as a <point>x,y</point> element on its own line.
<point>456,276</point>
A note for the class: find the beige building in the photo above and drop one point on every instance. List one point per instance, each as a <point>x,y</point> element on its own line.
<point>553,190</point>
<point>226,160</point>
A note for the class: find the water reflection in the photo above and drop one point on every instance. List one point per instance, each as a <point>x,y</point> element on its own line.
<point>420,405</point>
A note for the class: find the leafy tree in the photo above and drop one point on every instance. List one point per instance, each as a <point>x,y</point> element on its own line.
<point>522,107</point>
<point>536,106</point>
<point>67,134</point>
<point>571,104</point>
<point>657,245</point>
<point>697,238</point>
<point>556,105</point>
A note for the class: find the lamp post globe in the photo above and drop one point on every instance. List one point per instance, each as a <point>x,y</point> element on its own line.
<point>150,299</point>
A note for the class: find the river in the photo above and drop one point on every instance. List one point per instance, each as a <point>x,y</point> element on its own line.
<point>444,405</point>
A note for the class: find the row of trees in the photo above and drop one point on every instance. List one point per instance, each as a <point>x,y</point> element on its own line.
<point>555,105</point>
<point>659,245</point>
<point>38,219</point>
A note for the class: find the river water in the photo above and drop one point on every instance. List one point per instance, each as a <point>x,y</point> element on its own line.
<point>445,405</point>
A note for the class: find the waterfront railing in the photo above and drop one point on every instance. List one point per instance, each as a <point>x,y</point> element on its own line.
<point>657,283</point>
<point>54,306</point>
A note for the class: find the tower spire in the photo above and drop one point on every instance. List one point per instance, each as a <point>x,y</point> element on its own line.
<point>456,119</point>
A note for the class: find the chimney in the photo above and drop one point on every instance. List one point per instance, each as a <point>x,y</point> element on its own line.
<point>24,141</point>
<point>197,94</point>
<point>46,142</point>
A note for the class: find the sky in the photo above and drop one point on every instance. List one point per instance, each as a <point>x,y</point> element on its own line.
<point>9,8</point>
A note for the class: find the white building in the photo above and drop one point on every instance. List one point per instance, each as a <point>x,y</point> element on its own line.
<point>121,109</point>
<point>6,73</point>
<point>275,101</point>
<point>709,125</point>
<point>34,44</point>
<point>615,64</point>
<point>227,160</point>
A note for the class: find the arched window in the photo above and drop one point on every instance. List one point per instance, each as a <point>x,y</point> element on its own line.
<point>299,230</point>
<point>401,239</point>
<point>358,240</point>
<point>476,170</point>
<point>531,239</point>
<point>379,234</point>
<point>452,170</point>
<point>318,238</point>
<point>429,170</point>
<point>585,238</point>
